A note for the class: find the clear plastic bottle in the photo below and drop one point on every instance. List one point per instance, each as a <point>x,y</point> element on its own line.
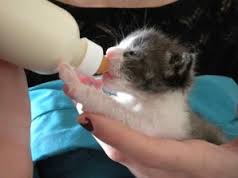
<point>38,35</point>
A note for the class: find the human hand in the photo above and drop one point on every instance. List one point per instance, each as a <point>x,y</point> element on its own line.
<point>154,158</point>
<point>118,3</point>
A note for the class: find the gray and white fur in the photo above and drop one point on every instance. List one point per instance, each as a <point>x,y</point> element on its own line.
<point>151,75</point>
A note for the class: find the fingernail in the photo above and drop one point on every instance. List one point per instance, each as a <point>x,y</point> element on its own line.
<point>88,125</point>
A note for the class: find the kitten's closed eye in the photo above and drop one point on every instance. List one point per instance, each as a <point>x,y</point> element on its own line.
<point>133,54</point>
<point>129,54</point>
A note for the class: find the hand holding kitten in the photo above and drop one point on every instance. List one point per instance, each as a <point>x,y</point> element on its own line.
<point>162,158</point>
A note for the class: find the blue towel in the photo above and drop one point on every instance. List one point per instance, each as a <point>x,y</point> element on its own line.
<point>55,133</point>
<point>216,99</point>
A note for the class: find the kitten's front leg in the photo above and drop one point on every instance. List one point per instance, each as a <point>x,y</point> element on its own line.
<point>90,81</point>
<point>93,100</point>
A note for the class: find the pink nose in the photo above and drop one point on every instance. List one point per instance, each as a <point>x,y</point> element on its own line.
<point>114,53</point>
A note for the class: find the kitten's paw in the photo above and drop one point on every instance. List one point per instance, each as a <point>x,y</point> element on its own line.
<point>87,80</point>
<point>77,86</point>
<point>71,80</point>
<point>68,75</point>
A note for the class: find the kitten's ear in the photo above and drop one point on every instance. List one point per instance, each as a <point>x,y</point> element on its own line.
<point>180,69</point>
<point>180,63</point>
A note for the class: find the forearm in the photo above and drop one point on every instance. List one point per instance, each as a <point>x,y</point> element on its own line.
<point>15,154</point>
<point>118,3</point>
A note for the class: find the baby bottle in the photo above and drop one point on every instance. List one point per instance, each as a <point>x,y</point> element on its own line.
<point>38,35</point>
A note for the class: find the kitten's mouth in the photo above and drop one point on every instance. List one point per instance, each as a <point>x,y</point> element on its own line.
<point>108,76</point>
<point>112,73</point>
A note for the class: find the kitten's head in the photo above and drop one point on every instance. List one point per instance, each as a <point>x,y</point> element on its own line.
<point>152,62</point>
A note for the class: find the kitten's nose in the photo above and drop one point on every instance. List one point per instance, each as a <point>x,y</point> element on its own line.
<point>114,53</point>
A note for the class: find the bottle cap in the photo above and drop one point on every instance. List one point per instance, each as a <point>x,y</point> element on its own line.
<point>92,59</point>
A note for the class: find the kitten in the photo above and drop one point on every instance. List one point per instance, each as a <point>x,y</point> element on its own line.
<point>150,76</point>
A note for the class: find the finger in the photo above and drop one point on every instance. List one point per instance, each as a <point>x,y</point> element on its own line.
<point>134,166</point>
<point>233,145</point>
<point>155,153</point>
<point>113,153</point>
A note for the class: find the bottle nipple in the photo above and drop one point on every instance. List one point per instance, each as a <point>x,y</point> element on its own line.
<point>103,67</point>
